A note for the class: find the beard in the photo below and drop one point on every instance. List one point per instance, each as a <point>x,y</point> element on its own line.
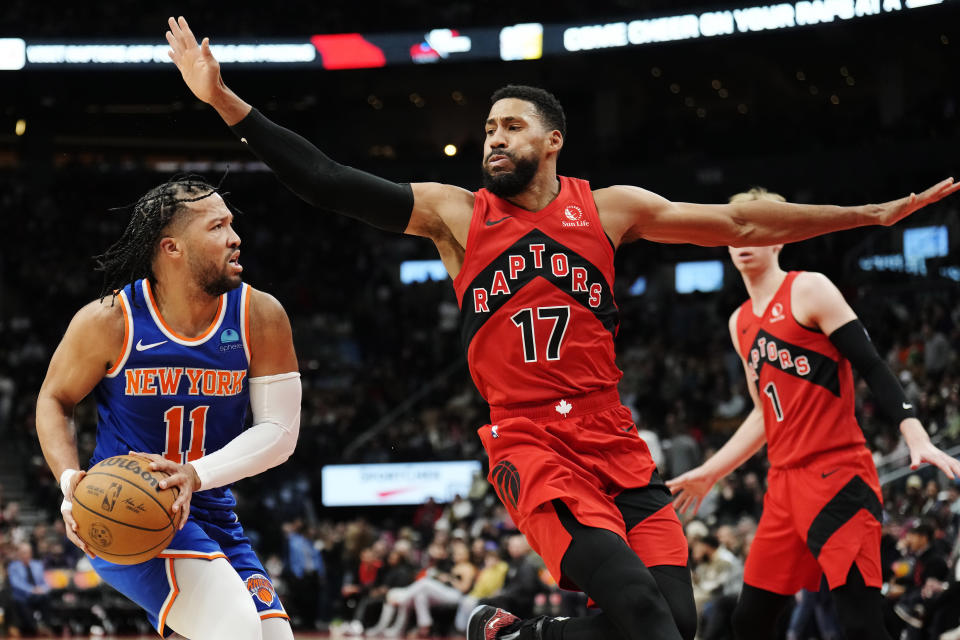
<point>507,184</point>
<point>213,278</point>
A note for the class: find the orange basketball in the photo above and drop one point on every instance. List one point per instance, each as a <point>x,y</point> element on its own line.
<point>122,514</point>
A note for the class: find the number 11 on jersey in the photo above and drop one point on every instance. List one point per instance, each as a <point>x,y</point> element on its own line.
<point>173,417</point>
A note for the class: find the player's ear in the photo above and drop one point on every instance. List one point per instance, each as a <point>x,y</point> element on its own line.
<point>555,140</point>
<point>170,246</point>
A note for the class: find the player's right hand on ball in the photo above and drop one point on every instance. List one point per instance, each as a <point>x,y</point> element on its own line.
<point>66,510</point>
<point>200,70</point>
<point>182,476</point>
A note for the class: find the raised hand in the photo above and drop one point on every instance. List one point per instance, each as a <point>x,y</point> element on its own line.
<point>892,212</point>
<point>200,70</point>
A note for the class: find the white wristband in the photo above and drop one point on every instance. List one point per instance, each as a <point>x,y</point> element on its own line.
<point>65,478</point>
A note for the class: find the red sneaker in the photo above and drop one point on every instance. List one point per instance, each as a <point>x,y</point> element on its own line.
<point>491,623</point>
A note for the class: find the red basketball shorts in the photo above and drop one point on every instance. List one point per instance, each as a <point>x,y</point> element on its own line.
<point>819,519</point>
<point>586,452</point>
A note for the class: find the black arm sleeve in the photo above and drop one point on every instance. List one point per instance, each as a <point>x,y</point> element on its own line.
<point>854,344</point>
<point>320,181</point>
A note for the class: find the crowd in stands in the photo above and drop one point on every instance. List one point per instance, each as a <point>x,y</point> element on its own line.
<point>369,344</point>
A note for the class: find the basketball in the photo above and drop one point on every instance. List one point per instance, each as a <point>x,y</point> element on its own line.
<point>122,514</point>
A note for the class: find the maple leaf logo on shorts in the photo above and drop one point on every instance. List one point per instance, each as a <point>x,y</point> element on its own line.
<point>563,408</point>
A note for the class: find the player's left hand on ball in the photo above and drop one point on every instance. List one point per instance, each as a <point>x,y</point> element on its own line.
<point>182,476</point>
<point>66,510</point>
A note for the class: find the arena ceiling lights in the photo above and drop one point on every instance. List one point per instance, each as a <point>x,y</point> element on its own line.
<point>529,41</point>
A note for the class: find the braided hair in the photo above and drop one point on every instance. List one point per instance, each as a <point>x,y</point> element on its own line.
<point>131,257</point>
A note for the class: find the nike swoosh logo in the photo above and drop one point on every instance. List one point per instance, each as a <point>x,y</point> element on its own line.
<point>391,492</point>
<point>827,475</point>
<point>490,223</point>
<point>144,347</point>
<point>907,406</point>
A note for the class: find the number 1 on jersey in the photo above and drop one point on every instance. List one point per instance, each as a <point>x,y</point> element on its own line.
<point>524,320</point>
<point>198,433</point>
<point>771,391</point>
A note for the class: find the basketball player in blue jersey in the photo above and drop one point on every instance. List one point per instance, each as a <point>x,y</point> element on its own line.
<point>174,358</point>
<point>537,239</point>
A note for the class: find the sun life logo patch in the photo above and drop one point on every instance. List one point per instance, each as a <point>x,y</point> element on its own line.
<point>776,313</point>
<point>574,217</point>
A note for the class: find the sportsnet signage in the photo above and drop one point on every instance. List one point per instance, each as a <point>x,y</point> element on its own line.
<point>359,485</point>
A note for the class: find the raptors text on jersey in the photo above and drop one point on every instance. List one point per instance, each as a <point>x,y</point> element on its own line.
<point>536,298</point>
<point>804,384</point>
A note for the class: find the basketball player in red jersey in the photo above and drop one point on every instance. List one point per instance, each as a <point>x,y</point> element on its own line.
<point>531,256</point>
<point>797,337</point>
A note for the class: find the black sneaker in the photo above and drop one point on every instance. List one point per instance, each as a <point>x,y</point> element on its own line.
<point>491,623</point>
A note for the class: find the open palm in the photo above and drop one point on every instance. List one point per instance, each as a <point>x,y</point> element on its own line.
<point>690,488</point>
<point>895,210</point>
<point>200,70</point>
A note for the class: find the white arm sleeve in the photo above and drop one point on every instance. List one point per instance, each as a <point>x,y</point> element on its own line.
<point>275,401</point>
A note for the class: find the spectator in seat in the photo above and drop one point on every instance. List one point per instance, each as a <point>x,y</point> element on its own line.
<point>30,591</point>
<point>305,573</point>
<point>522,582</point>
<point>390,590</point>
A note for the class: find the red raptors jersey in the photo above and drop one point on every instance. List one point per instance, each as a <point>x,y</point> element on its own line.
<point>536,299</point>
<point>804,384</point>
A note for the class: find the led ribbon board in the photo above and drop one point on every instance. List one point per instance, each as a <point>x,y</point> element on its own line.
<point>529,41</point>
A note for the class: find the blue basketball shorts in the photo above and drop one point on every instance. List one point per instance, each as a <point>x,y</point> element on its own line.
<point>207,534</point>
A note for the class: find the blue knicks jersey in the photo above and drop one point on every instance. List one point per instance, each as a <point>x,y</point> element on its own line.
<point>175,396</point>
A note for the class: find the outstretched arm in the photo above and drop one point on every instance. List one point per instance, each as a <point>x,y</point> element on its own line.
<point>440,212</point>
<point>630,213</point>
<point>817,302</point>
<point>691,487</point>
